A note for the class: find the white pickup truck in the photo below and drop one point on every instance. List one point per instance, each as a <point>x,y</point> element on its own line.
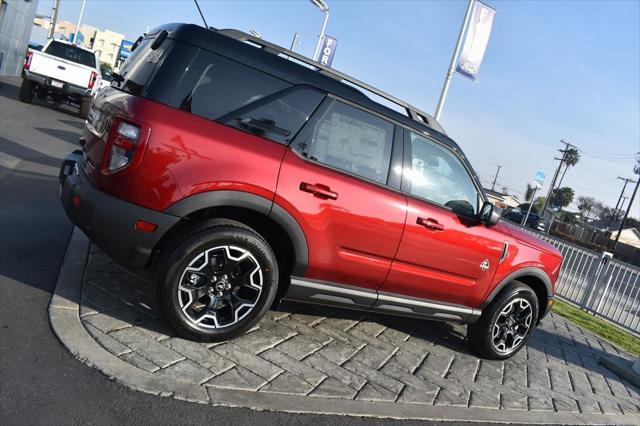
<point>63,72</point>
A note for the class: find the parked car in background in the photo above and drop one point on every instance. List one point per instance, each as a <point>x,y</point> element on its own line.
<point>105,81</point>
<point>63,72</point>
<point>518,214</point>
<point>234,173</point>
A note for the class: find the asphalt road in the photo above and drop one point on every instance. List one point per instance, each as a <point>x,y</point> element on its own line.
<point>40,382</point>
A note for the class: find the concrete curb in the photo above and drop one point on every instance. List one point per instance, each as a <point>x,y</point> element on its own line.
<point>65,322</point>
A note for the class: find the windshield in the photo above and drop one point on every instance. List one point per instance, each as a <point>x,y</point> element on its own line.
<point>72,53</point>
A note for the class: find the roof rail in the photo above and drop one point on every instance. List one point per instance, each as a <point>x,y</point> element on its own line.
<point>411,111</point>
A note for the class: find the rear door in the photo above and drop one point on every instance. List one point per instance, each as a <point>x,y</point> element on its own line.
<point>335,180</point>
<point>445,255</point>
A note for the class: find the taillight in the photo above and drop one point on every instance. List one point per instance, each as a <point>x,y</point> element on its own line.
<point>27,60</point>
<point>122,146</point>
<point>92,79</point>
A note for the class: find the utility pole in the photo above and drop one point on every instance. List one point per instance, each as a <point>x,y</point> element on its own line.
<point>54,19</point>
<point>636,170</point>
<point>495,178</point>
<point>555,175</point>
<point>615,211</point>
<point>452,66</point>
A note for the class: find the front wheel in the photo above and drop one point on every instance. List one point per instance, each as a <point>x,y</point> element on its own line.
<point>506,325</point>
<point>217,283</point>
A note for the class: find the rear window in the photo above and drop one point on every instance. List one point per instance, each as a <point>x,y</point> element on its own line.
<point>137,71</point>
<point>72,53</point>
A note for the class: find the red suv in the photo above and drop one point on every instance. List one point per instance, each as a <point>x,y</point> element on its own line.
<point>235,174</point>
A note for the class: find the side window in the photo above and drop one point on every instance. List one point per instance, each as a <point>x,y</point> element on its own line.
<point>439,176</point>
<point>278,117</point>
<point>348,139</point>
<point>214,86</point>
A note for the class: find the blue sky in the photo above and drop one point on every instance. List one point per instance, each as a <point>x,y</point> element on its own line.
<point>553,69</point>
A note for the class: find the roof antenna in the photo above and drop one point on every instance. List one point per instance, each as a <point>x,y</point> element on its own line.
<point>199,10</point>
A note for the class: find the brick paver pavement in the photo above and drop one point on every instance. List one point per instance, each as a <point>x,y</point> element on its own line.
<point>326,352</point>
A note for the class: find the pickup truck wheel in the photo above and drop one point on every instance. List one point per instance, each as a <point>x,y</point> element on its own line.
<point>85,105</point>
<point>26,91</point>
<point>506,325</point>
<point>217,283</point>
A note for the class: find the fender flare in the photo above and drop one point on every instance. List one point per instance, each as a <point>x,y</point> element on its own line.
<point>256,203</point>
<point>526,271</point>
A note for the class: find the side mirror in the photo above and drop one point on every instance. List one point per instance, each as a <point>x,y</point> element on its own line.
<point>488,214</point>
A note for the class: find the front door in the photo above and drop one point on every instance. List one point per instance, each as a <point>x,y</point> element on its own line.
<point>445,254</point>
<point>333,181</point>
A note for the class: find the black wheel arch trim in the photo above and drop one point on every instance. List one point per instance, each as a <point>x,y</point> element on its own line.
<point>256,203</point>
<point>530,271</point>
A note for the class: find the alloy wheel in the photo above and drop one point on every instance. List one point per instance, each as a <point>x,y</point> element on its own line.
<point>220,287</point>
<point>512,325</point>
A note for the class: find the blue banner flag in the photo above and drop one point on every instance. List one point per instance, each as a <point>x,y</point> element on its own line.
<point>327,50</point>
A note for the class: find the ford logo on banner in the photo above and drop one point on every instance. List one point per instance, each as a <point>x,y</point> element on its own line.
<point>327,50</point>
<point>476,41</point>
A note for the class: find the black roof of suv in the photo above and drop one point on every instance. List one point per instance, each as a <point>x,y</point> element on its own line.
<point>297,69</point>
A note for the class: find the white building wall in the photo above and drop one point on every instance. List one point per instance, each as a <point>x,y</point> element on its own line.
<point>15,29</point>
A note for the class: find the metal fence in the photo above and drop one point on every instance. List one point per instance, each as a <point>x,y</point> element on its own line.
<point>598,283</point>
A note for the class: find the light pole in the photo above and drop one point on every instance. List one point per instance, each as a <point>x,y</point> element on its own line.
<point>322,5</point>
<point>452,66</point>
<point>75,37</point>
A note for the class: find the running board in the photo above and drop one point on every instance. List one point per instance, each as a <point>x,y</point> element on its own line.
<point>344,296</point>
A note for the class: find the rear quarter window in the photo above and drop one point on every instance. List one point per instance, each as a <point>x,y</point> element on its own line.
<point>213,86</point>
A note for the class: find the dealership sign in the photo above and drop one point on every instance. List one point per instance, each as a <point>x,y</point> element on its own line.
<point>125,50</point>
<point>539,178</point>
<point>476,41</point>
<point>327,50</point>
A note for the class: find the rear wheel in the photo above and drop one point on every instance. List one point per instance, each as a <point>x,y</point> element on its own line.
<point>217,283</point>
<point>506,325</point>
<point>85,105</point>
<point>26,91</point>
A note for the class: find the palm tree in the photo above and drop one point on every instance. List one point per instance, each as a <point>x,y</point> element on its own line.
<point>571,158</point>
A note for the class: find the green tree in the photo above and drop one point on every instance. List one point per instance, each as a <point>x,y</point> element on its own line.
<point>586,207</point>
<point>562,197</point>
<point>528,194</point>
<point>539,203</point>
<point>105,68</point>
<point>571,158</point>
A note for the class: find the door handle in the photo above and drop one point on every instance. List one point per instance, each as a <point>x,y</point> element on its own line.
<point>319,190</point>
<point>430,224</point>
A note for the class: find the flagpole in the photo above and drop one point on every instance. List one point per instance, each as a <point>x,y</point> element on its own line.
<point>454,58</point>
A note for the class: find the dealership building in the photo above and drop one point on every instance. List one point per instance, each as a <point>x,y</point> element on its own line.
<point>16,21</point>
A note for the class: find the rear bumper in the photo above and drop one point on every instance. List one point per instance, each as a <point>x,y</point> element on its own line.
<point>109,221</point>
<point>67,88</point>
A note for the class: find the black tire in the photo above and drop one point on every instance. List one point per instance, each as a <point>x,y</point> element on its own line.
<point>201,244</point>
<point>26,91</point>
<point>85,106</point>
<point>480,333</point>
